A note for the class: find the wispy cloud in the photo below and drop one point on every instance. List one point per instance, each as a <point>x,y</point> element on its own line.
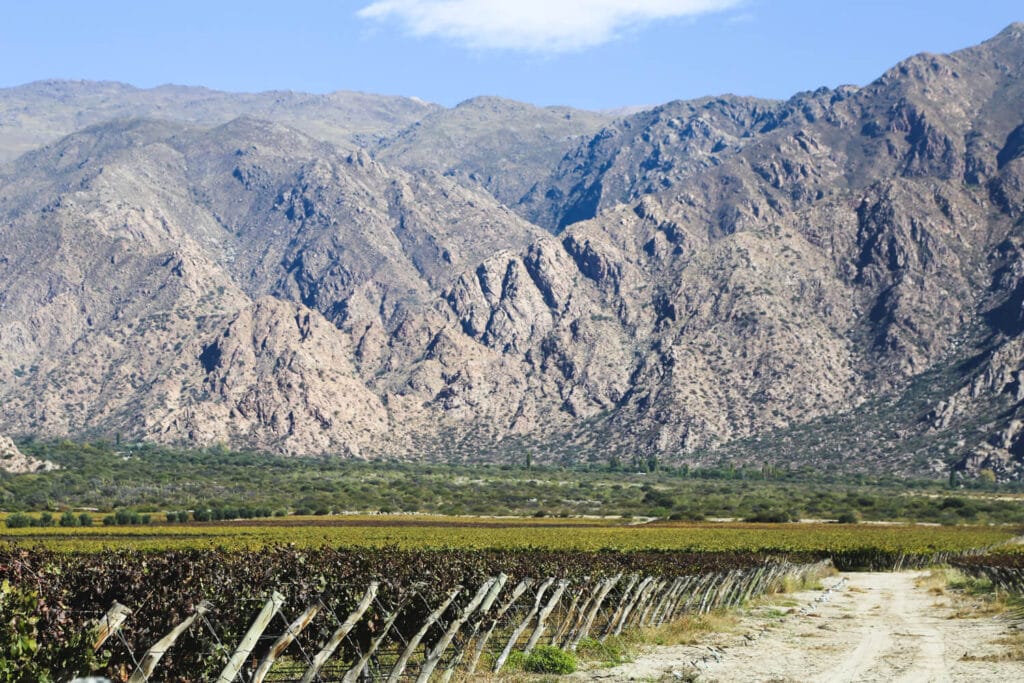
<point>549,26</point>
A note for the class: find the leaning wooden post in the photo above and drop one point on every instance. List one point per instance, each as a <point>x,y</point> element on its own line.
<point>353,673</point>
<point>571,617</point>
<point>670,595</point>
<point>153,654</point>
<point>644,606</point>
<point>544,614</point>
<point>335,640</point>
<point>481,642</point>
<point>286,639</point>
<point>434,656</point>
<point>109,624</point>
<point>640,591</point>
<point>245,648</point>
<point>621,606</point>
<point>693,599</point>
<point>669,607</point>
<point>403,660</point>
<point>582,632</point>
<point>492,595</point>
<point>708,591</point>
<point>514,638</point>
<point>680,599</point>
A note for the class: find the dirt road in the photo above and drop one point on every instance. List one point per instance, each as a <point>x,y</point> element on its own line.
<point>867,627</point>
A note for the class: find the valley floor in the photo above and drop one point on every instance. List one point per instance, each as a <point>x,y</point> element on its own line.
<point>878,626</point>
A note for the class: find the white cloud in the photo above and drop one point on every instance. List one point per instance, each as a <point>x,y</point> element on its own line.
<point>533,25</point>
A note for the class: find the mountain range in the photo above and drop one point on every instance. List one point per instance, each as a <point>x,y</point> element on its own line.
<point>833,281</point>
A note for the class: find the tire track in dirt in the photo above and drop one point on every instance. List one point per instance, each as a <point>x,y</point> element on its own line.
<point>875,626</point>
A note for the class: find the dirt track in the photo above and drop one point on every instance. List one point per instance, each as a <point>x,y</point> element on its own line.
<point>870,627</point>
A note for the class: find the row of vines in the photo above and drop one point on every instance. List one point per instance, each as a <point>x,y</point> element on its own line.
<point>1004,570</point>
<point>288,614</point>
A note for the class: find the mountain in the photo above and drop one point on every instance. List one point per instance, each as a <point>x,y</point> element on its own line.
<point>833,281</point>
<point>503,146</point>
<point>40,113</point>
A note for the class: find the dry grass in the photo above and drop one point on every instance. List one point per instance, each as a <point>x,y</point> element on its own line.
<point>938,580</point>
<point>689,629</point>
<point>969,597</point>
<point>1013,652</point>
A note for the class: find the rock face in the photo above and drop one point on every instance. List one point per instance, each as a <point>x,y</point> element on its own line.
<point>835,280</point>
<point>13,461</point>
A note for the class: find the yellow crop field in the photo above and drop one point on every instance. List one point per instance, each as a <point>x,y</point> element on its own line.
<point>420,532</point>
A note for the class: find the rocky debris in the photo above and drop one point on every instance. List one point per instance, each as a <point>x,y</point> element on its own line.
<point>13,461</point>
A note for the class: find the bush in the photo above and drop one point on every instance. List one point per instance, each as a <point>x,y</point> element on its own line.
<point>18,520</point>
<point>848,518</point>
<point>85,519</point>
<point>515,662</point>
<point>69,519</point>
<point>548,659</point>
<point>770,516</point>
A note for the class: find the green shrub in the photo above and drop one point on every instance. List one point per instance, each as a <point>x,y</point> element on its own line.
<point>515,662</point>
<point>85,519</point>
<point>770,516</point>
<point>69,519</point>
<point>18,520</point>
<point>848,518</point>
<point>548,659</point>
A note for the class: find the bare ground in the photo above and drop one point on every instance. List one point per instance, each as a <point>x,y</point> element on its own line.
<point>864,627</point>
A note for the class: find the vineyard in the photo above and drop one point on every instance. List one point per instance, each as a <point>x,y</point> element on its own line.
<point>285,614</point>
<point>412,598</point>
<point>413,532</point>
<point>1005,570</point>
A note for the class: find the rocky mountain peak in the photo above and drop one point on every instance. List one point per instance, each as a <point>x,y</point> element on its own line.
<point>834,279</point>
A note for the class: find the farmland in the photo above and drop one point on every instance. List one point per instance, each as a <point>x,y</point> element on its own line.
<point>415,532</point>
<point>563,559</point>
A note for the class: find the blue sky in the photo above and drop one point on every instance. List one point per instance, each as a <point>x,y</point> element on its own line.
<point>585,53</point>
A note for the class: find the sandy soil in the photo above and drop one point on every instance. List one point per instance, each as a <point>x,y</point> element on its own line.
<point>863,627</point>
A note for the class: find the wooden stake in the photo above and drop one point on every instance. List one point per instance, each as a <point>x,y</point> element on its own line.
<point>403,660</point>
<point>245,648</point>
<point>335,640</point>
<point>153,654</point>
<point>544,614</point>
<point>514,638</point>
<point>109,624</point>
<point>582,632</point>
<point>517,593</point>
<point>435,655</point>
<point>286,639</point>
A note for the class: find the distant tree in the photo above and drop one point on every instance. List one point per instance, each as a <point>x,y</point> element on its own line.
<point>987,477</point>
<point>69,519</point>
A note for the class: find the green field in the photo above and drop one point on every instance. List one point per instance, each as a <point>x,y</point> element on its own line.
<point>423,531</point>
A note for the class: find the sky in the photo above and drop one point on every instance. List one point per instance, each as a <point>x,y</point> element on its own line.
<point>591,54</point>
